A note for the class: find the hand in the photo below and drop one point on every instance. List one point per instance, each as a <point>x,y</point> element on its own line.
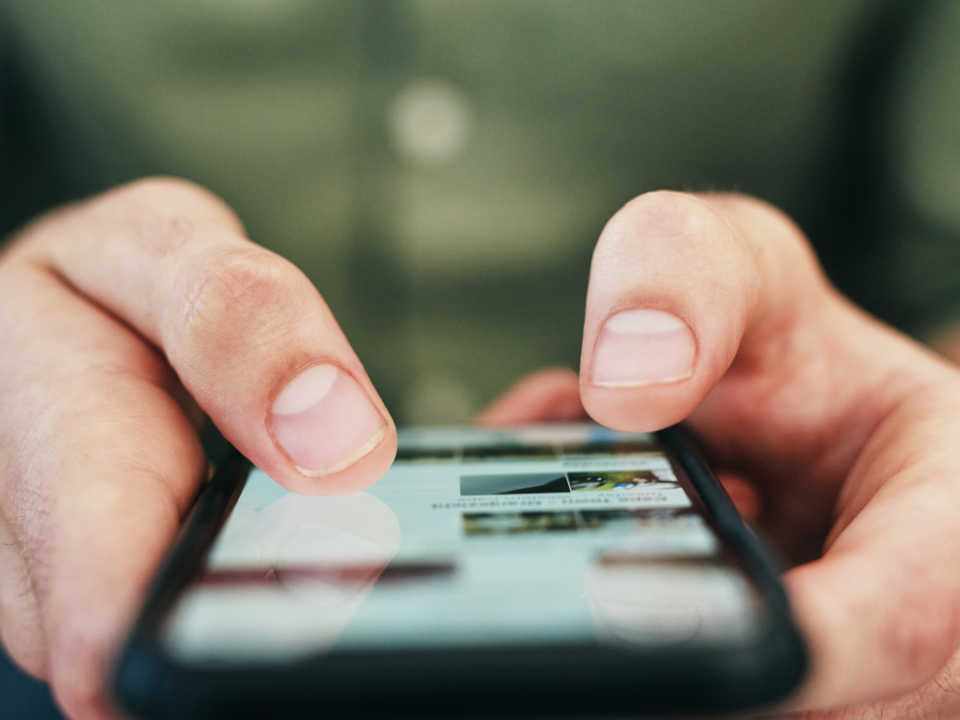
<point>714,307</point>
<point>123,321</point>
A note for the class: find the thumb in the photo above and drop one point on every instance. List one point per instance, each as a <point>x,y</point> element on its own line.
<point>249,336</point>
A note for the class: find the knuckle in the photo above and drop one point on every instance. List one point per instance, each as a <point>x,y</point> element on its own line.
<point>239,282</point>
<point>230,294</point>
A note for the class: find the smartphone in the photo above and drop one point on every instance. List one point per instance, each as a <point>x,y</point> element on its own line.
<point>557,570</point>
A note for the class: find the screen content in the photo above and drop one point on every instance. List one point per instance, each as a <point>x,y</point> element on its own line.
<point>473,538</point>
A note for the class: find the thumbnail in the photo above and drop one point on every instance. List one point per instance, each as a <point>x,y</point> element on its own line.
<point>515,523</point>
<point>514,484</point>
<point>621,480</point>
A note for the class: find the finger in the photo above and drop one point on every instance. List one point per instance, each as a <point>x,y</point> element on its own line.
<point>676,279</point>
<point>248,335</point>
<point>98,465</point>
<point>548,395</point>
<point>882,607</point>
<point>743,494</point>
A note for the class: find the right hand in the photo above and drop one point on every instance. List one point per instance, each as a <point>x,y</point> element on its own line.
<point>842,433</point>
<point>124,320</point>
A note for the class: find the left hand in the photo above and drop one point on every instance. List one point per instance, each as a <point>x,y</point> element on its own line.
<point>841,433</point>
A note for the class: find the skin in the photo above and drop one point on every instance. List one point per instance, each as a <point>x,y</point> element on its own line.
<point>126,319</point>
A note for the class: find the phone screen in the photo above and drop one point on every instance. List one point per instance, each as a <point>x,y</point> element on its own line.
<point>535,536</point>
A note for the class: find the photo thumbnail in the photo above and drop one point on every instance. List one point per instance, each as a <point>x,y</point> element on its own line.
<point>621,480</point>
<point>515,523</point>
<point>513,484</point>
<point>619,520</point>
<point>637,518</point>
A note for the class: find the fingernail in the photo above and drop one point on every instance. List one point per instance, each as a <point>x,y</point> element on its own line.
<point>642,347</point>
<point>324,420</point>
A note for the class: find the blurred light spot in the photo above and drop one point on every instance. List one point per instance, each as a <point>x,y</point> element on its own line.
<point>430,123</point>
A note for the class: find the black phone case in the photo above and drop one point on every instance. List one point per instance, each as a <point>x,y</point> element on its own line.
<point>582,681</point>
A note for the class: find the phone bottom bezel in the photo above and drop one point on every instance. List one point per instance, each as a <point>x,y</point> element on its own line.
<point>569,681</point>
